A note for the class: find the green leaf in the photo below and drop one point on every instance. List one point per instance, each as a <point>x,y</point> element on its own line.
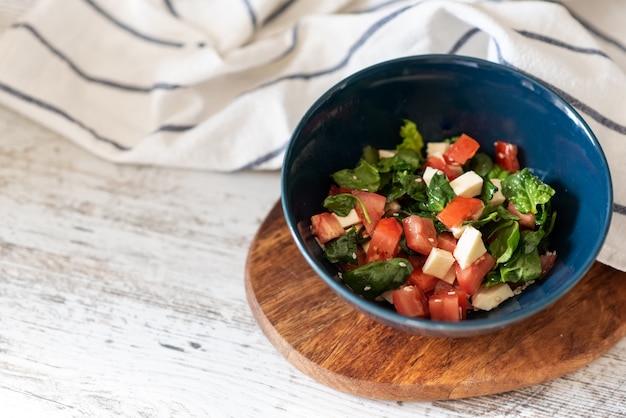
<point>343,249</point>
<point>363,177</point>
<point>497,172</point>
<point>341,204</point>
<point>488,190</point>
<point>439,192</point>
<point>411,138</point>
<point>526,191</point>
<point>372,279</point>
<point>523,267</point>
<point>481,164</point>
<point>370,154</point>
<point>505,243</point>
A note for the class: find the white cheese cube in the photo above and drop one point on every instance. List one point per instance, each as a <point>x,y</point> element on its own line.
<point>385,153</point>
<point>434,148</point>
<point>468,184</point>
<point>429,172</point>
<point>487,298</point>
<point>438,263</point>
<point>457,231</point>
<point>350,219</point>
<point>498,198</point>
<point>469,247</point>
<point>450,276</point>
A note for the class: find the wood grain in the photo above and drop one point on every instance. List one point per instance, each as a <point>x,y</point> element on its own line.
<point>330,341</point>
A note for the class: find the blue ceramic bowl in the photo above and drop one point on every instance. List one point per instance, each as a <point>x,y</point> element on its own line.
<point>448,95</point>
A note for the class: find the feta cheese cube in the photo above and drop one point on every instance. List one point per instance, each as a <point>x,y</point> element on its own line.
<point>457,231</point>
<point>487,298</point>
<point>468,184</point>
<point>350,219</point>
<point>450,276</point>
<point>469,247</point>
<point>438,263</point>
<point>429,172</point>
<point>498,198</point>
<point>434,148</point>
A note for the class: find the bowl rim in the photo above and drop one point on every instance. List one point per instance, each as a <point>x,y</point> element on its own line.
<point>428,326</point>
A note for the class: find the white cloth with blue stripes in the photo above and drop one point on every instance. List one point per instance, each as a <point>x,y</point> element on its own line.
<point>220,85</point>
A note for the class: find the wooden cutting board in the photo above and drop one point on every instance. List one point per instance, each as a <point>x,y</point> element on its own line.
<point>331,342</point>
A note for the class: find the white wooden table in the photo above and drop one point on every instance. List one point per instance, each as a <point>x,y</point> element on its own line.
<point>122,294</point>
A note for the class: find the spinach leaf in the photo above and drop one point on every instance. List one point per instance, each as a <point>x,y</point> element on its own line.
<point>439,193</point>
<point>370,154</point>
<point>526,191</point>
<point>411,138</point>
<point>343,249</point>
<point>481,164</point>
<point>341,204</point>
<point>522,267</point>
<point>363,177</point>
<point>505,243</point>
<point>488,190</point>
<point>405,159</point>
<point>372,279</point>
<point>497,172</point>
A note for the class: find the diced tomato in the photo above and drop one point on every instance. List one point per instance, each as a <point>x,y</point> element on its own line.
<point>547,261</point>
<point>410,301</point>
<point>446,241</point>
<point>417,261</point>
<point>471,277</point>
<point>420,233</point>
<point>464,148</point>
<point>374,205</point>
<point>442,287</point>
<point>426,282</point>
<point>451,171</point>
<point>325,226</point>
<point>450,306</point>
<point>527,220</point>
<point>459,210</point>
<point>506,156</point>
<point>385,240</point>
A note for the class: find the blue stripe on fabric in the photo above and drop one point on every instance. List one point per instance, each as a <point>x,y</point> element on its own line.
<point>556,42</point>
<point>131,30</point>
<point>463,40</point>
<point>174,128</point>
<point>85,76</point>
<point>170,8</point>
<point>252,13</point>
<point>597,32</point>
<point>586,109</point>
<point>46,106</point>
<point>264,158</point>
<point>617,208</point>
<point>355,47</point>
<point>278,10</point>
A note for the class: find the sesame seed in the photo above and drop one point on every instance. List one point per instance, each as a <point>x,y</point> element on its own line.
<point>402,264</point>
<point>367,288</point>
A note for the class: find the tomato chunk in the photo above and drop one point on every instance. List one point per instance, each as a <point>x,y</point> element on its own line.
<point>385,240</point>
<point>446,241</point>
<point>451,171</point>
<point>325,226</point>
<point>410,301</point>
<point>374,205</point>
<point>506,156</point>
<point>450,306</point>
<point>471,277</point>
<point>459,210</point>
<point>527,220</point>
<point>426,282</point>
<point>420,233</point>
<point>464,148</point>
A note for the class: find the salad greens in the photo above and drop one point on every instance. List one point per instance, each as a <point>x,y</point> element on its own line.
<point>517,247</point>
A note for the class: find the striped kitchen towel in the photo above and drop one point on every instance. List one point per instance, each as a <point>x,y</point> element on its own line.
<point>219,85</point>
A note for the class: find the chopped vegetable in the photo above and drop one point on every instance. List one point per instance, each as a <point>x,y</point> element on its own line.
<point>437,236</point>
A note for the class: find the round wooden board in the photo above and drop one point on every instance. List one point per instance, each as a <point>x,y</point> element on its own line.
<point>331,342</point>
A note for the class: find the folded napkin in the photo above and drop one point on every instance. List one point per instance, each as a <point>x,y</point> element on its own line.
<point>219,85</point>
